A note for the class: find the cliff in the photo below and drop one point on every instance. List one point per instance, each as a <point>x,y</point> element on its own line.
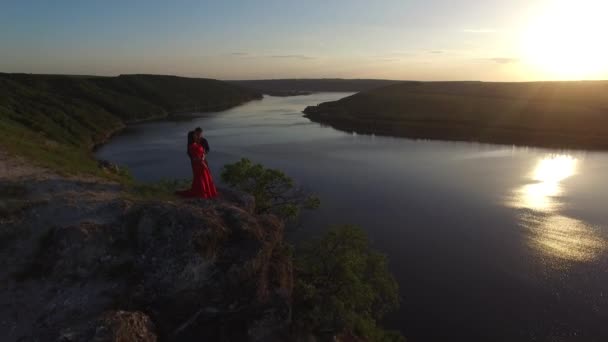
<point>82,262</point>
<point>548,114</point>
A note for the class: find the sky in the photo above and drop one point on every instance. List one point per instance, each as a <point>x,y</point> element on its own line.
<point>489,40</point>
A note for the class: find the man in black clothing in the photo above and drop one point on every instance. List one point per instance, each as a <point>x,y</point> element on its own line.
<point>202,140</point>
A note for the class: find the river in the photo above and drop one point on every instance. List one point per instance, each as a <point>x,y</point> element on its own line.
<point>487,242</point>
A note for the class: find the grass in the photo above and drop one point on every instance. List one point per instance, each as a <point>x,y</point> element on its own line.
<point>163,189</point>
<point>67,159</point>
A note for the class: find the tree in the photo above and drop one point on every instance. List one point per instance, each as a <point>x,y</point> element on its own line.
<point>274,192</point>
<point>342,286</point>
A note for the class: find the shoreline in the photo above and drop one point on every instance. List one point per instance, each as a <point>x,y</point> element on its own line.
<point>438,134</point>
<point>109,135</point>
<point>125,124</point>
<point>560,115</point>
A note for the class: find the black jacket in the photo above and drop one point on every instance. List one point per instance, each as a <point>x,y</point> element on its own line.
<point>205,145</point>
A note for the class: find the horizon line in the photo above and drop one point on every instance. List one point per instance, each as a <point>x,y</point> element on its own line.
<point>297,78</point>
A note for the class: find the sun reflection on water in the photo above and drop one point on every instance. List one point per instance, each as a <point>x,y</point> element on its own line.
<point>555,235</point>
<point>563,238</point>
<point>547,176</point>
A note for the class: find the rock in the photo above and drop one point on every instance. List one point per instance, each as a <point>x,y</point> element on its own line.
<point>243,200</point>
<point>114,326</point>
<point>200,270</point>
<point>124,326</point>
<point>108,166</point>
<point>208,271</point>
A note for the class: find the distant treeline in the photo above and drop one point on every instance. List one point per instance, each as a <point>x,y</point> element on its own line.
<point>288,87</point>
<point>549,114</point>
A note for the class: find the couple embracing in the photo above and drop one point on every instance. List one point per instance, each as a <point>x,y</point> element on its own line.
<point>202,182</point>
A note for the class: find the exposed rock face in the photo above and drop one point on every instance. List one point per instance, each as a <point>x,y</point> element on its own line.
<point>169,271</point>
<point>209,269</point>
<point>118,326</point>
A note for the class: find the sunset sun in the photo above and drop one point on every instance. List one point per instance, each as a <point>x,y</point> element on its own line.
<point>565,40</point>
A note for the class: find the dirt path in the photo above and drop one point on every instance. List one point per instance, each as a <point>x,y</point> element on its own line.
<point>15,168</point>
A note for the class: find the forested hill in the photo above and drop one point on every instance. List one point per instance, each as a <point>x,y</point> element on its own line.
<point>551,114</point>
<point>63,113</point>
<point>298,86</point>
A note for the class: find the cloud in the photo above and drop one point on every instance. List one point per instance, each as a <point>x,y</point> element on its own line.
<point>389,60</point>
<point>436,51</point>
<point>393,56</point>
<point>239,54</point>
<point>503,60</point>
<point>292,56</point>
<point>398,54</point>
<point>479,31</point>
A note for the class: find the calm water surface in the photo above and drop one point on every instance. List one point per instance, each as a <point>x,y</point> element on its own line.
<point>488,243</point>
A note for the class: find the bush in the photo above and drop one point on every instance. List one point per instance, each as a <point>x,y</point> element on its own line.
<point>274,192</point>
<point>342,286</point>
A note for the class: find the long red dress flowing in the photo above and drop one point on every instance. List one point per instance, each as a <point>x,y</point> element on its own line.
<point>202,182</point>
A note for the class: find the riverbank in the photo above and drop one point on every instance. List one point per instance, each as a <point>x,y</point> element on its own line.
<point>543,114</point>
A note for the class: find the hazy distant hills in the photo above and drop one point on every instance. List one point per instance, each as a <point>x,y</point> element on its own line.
<point>552,114</point>
<point>287,87</point>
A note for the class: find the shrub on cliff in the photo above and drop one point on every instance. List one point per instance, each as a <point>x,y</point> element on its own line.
<point>343,287</point>
<point>274,191</point>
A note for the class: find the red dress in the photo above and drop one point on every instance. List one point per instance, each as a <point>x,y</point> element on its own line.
<point>202,183</point>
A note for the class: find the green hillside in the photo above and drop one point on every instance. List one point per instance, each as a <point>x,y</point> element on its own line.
<point>56,119</point>
<point>552,114</point>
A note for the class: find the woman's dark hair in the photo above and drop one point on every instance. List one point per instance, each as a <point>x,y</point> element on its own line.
<point>190,138</point>
<point>190,142</point>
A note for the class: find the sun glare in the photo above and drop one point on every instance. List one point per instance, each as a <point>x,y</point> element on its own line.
<point>566,40</point>
<point>547,176</point>
<point>558,236</point>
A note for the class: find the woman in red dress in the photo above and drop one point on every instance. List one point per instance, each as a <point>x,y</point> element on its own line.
<point>202,182</point>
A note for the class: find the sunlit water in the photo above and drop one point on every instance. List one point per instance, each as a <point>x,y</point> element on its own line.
<point>488,242</point>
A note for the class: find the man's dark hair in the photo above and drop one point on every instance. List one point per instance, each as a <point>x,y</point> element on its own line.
<point>198,129</point>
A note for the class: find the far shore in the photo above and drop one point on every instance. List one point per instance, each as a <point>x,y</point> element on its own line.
<point>562,115</point>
